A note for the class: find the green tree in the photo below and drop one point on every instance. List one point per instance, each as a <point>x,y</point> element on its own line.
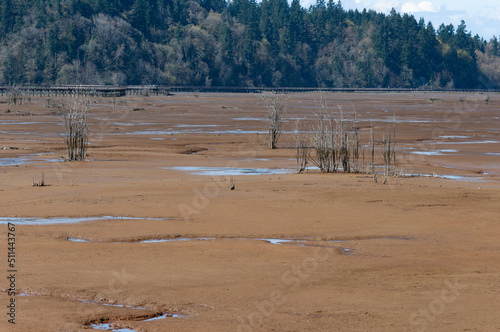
<point>495,48</point>
<point>428,53</point>
<point>215,5</point>
<point>446,33</point>
<point>6,21</point>
<point>141,16</point>
<point>297,25</point>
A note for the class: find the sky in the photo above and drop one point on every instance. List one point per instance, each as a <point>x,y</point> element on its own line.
<point>482,17</point>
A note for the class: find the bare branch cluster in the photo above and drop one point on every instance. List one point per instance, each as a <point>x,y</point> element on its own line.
<point>39,181</point>
<point>276,106</point>
<point>77,128</point>
<point>389,148</point>
<point>334,143</point>
<point>16,96</point>
<point>301,147</point>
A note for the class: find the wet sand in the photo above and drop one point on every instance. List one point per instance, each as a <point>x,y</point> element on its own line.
<point>419,253</point>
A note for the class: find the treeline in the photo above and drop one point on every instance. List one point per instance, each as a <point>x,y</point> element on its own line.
<point>236,43</point>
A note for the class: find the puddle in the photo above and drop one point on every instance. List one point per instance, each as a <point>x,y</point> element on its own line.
<point>28,159</point>
<point>199,126</point>
<point>157,138</point>
<point>129,124</point>
<point>194,130</point>
<point>463,178</point>
<point>199,131</point>
<point>13,122</point>
<point>230,171</point>
<point>248,119</point>
<point>279,241</point>
<point>492,153</point>
<point>391,120</point>
<point>434,153</point>
<point>107,327</point>
<point>27,133</point>
<point>469,142</point>
<point>74,239</point>
<point>178,239</point>
<point>219,132</point>
<point>162,317</point>
<point>65,220</point>
<point>13,161</point>
<point>453,137</point>
<point>301,242</point>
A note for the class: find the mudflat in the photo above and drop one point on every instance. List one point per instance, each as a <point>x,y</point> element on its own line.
<point>147,235</point>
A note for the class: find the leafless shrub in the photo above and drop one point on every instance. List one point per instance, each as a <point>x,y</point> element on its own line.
<point>389,148</point>
<point>275,104</point>
<point>323,140</point>
<point>14,96</point>
<point>19,113</point>
<point>51,103</point>
<point>301,147</point>
<point>39,181</point>
<point>344,152</point>
<point>372,145</point>
<point>336,141</point>
<point>356,165</point>
<point>77,129</point>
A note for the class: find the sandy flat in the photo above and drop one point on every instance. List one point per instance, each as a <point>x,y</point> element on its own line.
<point>281,252</point>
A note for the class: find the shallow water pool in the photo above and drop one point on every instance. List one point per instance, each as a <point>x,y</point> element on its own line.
<point>230,171</point>
<point>65,220</point>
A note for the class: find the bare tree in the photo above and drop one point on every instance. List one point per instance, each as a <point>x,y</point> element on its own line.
<point>389,148</point>
<point>372,146</point>
<point>344,152</point>
<point>275,105</point>
<point>14,96</point>
<point>355,150</point>
<point>336,141</point>
<point>323,141</point>
<point>301,147</point>
<point>77,129</point>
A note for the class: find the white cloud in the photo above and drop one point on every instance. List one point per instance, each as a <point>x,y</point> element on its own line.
<point>386,5</point>
<point>423,7</point>
<point>490,12</point>
<point>481,16</point>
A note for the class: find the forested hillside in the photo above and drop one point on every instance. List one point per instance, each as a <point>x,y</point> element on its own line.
<point>241,42</point>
